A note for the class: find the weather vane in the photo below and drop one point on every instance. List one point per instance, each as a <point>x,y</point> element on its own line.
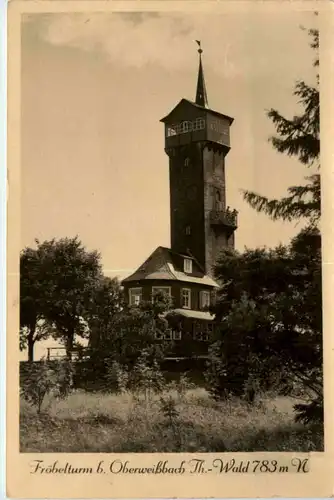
<point>199,44</point>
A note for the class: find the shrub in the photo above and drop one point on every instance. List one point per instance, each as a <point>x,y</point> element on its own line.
<point>117,377</point>
<point>44,378</point>
<point>146,376</point>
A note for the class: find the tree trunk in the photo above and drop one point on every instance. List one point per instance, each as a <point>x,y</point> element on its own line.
<point>31,342</point>
<point>69,343</point>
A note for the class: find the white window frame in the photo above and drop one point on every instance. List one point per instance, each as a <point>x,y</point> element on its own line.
<point>186,126</point>
<point>199,124</point>
<point>188,290</point>
<point>207,294</point>
<point>131,293</point>
<point>171,130</point>
<point>188,266</point>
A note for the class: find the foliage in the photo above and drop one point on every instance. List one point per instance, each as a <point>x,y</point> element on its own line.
<point>298,136</point>
<point>308,413</point>
<point>168,409</point>
<point>131,334</point>
<point>270,319</point>
<point>32,325</point>
<point>270,303</point>
<point>106,304</point>
<point>146,376</point>
<point>44,378</point>
<point>58,280</point>
<point>117,376</point>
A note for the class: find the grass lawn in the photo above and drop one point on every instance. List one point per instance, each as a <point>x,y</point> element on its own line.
<point>86,422</point>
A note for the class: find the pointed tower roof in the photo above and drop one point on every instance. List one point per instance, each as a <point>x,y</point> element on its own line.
<point>201,101</point>
<point>201,95</point>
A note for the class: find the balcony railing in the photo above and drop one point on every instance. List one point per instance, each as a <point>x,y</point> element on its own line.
<point>228,218</point>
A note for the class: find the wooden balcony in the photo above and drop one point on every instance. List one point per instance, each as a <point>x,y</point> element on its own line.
<point>227,218</point>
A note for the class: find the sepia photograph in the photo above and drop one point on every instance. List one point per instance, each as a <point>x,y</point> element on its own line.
<point>170,287</point>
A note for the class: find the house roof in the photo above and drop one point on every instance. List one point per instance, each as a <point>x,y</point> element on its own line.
<point>190,313</point>
<point>162,264</point>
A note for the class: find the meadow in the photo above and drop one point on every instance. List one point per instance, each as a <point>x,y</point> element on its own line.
<point>188,422</point>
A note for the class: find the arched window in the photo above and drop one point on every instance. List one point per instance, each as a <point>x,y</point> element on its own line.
<point>187,162</point>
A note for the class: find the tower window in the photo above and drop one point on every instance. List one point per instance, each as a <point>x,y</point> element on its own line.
<point>199,124</point>
<point>217,200</point>
<point>186,298</point>
<point>188,266</point>
<point>204,299</point>
<point>186,127</point>
<point>135,296</point>
<point>171,131</point>
<point>188,230</point>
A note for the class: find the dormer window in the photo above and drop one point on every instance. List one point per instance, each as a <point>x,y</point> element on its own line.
<point>188,266</point>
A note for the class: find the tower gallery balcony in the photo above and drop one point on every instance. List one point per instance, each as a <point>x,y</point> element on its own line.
<point>228,218</point>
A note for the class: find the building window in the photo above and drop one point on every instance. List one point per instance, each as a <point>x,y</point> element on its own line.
<point>186,127</point>
<point>188,230</point>
<point>218,204</point>
<point>168,335</point>
<point>187,162</point>
<point>177,335</point>
<point>214,125</point>
<point>204,299</point>
<point>202,332</point>
<point>188,266</point>
<point>161,289</point>
<point>135,296</point>
<point>186,298</point>
<point>199,124</point>
<point>171,131</point>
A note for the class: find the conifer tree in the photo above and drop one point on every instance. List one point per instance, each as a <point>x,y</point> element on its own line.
<point>269,305</point>
<point>298,136</point>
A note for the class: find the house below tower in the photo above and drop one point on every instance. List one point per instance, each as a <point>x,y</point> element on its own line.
<point>192,292</point>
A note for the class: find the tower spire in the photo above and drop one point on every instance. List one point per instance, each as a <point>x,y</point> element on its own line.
<point>201,95</point>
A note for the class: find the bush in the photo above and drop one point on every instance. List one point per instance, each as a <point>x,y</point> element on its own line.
<point>146,376</point>
<point>117,377</point>
<point>46,377</point>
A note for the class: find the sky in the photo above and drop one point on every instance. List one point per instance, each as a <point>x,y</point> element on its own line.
<point>94,87</point>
